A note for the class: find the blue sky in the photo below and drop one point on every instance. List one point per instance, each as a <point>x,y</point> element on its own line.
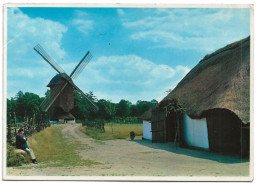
<point>139,53</point>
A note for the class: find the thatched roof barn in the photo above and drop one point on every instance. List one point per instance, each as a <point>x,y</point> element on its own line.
<point>218,89</point>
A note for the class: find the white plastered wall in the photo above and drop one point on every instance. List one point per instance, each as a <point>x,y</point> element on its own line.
<point>196,132</point>
<point>147,134</point>
<point>70,121</point>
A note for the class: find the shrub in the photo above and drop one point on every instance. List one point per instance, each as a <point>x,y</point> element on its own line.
<point>132,133</point>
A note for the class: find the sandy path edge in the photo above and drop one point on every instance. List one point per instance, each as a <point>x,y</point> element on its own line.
<point>137,158</point>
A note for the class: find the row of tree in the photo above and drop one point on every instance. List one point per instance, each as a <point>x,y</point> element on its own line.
<point>23,111</point>
<point>109,110</point>
<point>26,106</point>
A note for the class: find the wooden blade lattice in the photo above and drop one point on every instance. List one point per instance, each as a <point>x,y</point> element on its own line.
<point>38,48</point>
<point>82,64</point>
<point>55,92</point>
<point>93,106</point>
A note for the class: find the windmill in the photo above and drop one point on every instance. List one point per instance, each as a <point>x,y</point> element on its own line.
<point>61,99</point>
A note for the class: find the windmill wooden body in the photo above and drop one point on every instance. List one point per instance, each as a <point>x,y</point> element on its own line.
<point>60,102</point>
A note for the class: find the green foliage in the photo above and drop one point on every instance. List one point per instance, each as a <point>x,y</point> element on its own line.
<point>141,106</point>
<point>132,133</point>
<point>124,111</point>
<point>107,109</point>
<point>25,106</point>
<point>80,110</point>
<point>123,108</point>
<point>11,108</point>
<point>24,111</point>
<point>15,159</point>
<point>175,106</point>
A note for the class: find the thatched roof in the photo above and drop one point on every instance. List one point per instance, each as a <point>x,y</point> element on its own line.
<point>219,80</point>
<point>55,80</point>
<point>147,115</point>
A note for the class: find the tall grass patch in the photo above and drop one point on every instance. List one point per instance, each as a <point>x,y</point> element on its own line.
<point>14,158</point>
<point>52,149</point>
<point>114,131</point>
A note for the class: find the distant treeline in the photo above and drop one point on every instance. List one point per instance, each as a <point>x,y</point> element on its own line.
<point>25,106</point>
<point>122,112</point>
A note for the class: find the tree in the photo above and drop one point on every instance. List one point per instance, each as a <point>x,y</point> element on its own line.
<point>110,109</point>
<point>142,106</point>
<point>81,109</point>
<point>102,113</point>
<point>123,108</point>
<point>134,110</point>
<point>11,107</point>
<point>153,103</point>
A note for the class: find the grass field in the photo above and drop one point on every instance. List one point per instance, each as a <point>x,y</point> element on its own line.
<point>51,148</point>
<point>114,131</point>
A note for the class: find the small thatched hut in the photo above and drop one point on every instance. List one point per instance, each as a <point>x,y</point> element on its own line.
<point>210,107</point>
<point>147,127</point>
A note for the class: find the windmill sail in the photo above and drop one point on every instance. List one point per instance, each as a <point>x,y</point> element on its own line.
<point>38,48</point>
<point>46,104</point>
<point>56,90</point>
<point>82,64</point>
<point>90,102</point>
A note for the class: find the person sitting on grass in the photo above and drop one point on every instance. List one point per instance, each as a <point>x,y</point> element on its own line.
<point>21,143</point>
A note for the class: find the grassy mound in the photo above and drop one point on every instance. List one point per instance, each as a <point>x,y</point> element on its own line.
<point>15,158</point>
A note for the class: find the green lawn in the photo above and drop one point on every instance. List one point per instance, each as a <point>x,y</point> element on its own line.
<point>114,131</point>
<point>52,149</point>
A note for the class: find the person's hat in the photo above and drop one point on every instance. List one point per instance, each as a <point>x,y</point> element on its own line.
<point>20,130</point>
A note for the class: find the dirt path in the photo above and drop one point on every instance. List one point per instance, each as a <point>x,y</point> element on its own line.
<point>138,158</point>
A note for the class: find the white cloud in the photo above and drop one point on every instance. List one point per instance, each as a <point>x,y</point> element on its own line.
<point>157,36</point>
<point>26,70</point>
<point>120,12</point>
<point>83,25</point>
<point>129,77</point>
<point>184,69</point>
<point>82,22</point>
<point>20,72</point>
<point>25,32</point>
<point>80,13</point>
<point>194,29</point>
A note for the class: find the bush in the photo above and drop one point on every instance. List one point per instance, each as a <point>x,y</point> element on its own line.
<point>132,133</point>
<point>14,158</point>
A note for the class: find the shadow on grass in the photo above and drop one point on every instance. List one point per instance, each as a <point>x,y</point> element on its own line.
<point>203,154</point>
